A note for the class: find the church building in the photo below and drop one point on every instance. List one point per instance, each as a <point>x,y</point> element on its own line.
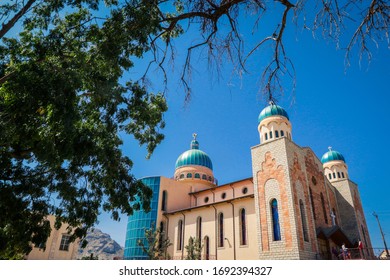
<point>295,206</point>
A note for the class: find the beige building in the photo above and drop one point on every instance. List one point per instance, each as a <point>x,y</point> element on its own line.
<point>295,206</point>
<point>58,246</point>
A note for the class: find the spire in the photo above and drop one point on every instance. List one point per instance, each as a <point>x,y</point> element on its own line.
<point>194,143</point>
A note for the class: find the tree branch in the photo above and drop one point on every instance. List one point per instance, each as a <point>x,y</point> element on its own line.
<point>6,27</point>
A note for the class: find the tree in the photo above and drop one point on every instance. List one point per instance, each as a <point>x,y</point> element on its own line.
<point>194,249</point>
<point>155,244</point>
<point>63,102</point>
<point>62,107</point>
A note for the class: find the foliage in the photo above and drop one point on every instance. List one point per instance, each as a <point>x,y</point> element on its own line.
<point>62,107</point>
<point>64,100</point>
<point>155,244</point>
<point>90,257</point>
<point>194,249</point>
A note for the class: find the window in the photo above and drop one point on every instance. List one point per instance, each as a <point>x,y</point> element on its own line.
<point>304,223</point>
<point>330,176</point>
<point>342,174</point>
<point>314,180</point>
<point>164,201</point>
<point>338,175</point>
<point>180,235</point>
<point>210,179</point>
<point>64,245</point>
<point>223,196</point>
<point>281,133</point>
<point>270,135</point>
<point>206,199</point>
<point>266,136</point>
<point>243,227</point>
<point>220,230</point>
<point>204,177</point>
<point>312,203</point>
<point>197,175</point>
<point>324,208</point>
<point>181,176</point>
<point>245,190</point>
<point>275,220</point>
<point>276,134</point>
<point>189,175</point>
<point>199,228</point>
<point>334,175</point>
<point>364,236</point>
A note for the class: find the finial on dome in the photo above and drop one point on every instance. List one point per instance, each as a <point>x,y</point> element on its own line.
<point>330,148</point>
<point>194,142</point>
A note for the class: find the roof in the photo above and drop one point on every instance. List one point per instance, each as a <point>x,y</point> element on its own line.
<point>332,155</point>
<point>334,233</point>
<point>272,110</point>
<point>194,156</point>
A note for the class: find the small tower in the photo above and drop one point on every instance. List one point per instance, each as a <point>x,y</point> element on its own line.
<point>194,166</point>
<point>273,123</point>
<point>334,166</point>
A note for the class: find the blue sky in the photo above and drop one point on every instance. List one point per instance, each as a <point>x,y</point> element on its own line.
<point>331,106</point>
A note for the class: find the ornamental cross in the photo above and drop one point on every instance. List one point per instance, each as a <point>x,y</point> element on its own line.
<point>194,135</point>
<point>333,216</point>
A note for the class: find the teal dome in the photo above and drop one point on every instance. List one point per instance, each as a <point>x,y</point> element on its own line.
<point>194,156</point>
<point>331,155</point>
<point>272,110</point>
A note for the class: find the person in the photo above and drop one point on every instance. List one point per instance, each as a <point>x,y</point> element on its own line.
<point>345,252</point>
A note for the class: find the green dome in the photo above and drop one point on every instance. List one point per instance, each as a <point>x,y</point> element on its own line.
<point>331,155</point>
<point>272,110</point>
<point>194,156</point>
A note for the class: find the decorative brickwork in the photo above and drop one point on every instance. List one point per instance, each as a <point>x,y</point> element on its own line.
<point>298,175</point>
<point>270,170</point>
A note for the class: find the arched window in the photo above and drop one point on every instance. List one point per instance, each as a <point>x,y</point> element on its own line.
<point>210,179</point>
<point>199,228</point>
<point>281,133</point>
<point>324,208</point>
<point>197,175</point>
<point>276,133</point>
<point>342,174</point>
<point>164,201</point>
<point>204,177</point>
<point>364,236</point>
<point>304,223</point>
<point>243,227</point>
<point>181,176</point>
<point>338,175</point>
<point>266,136</point>
<point>312,203</point>
<point>180,235</point>
<point>220,230</point>
<point>334,175</point>
<point>189,175</point>
<point>270,135</point>
<point>275,220</point>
